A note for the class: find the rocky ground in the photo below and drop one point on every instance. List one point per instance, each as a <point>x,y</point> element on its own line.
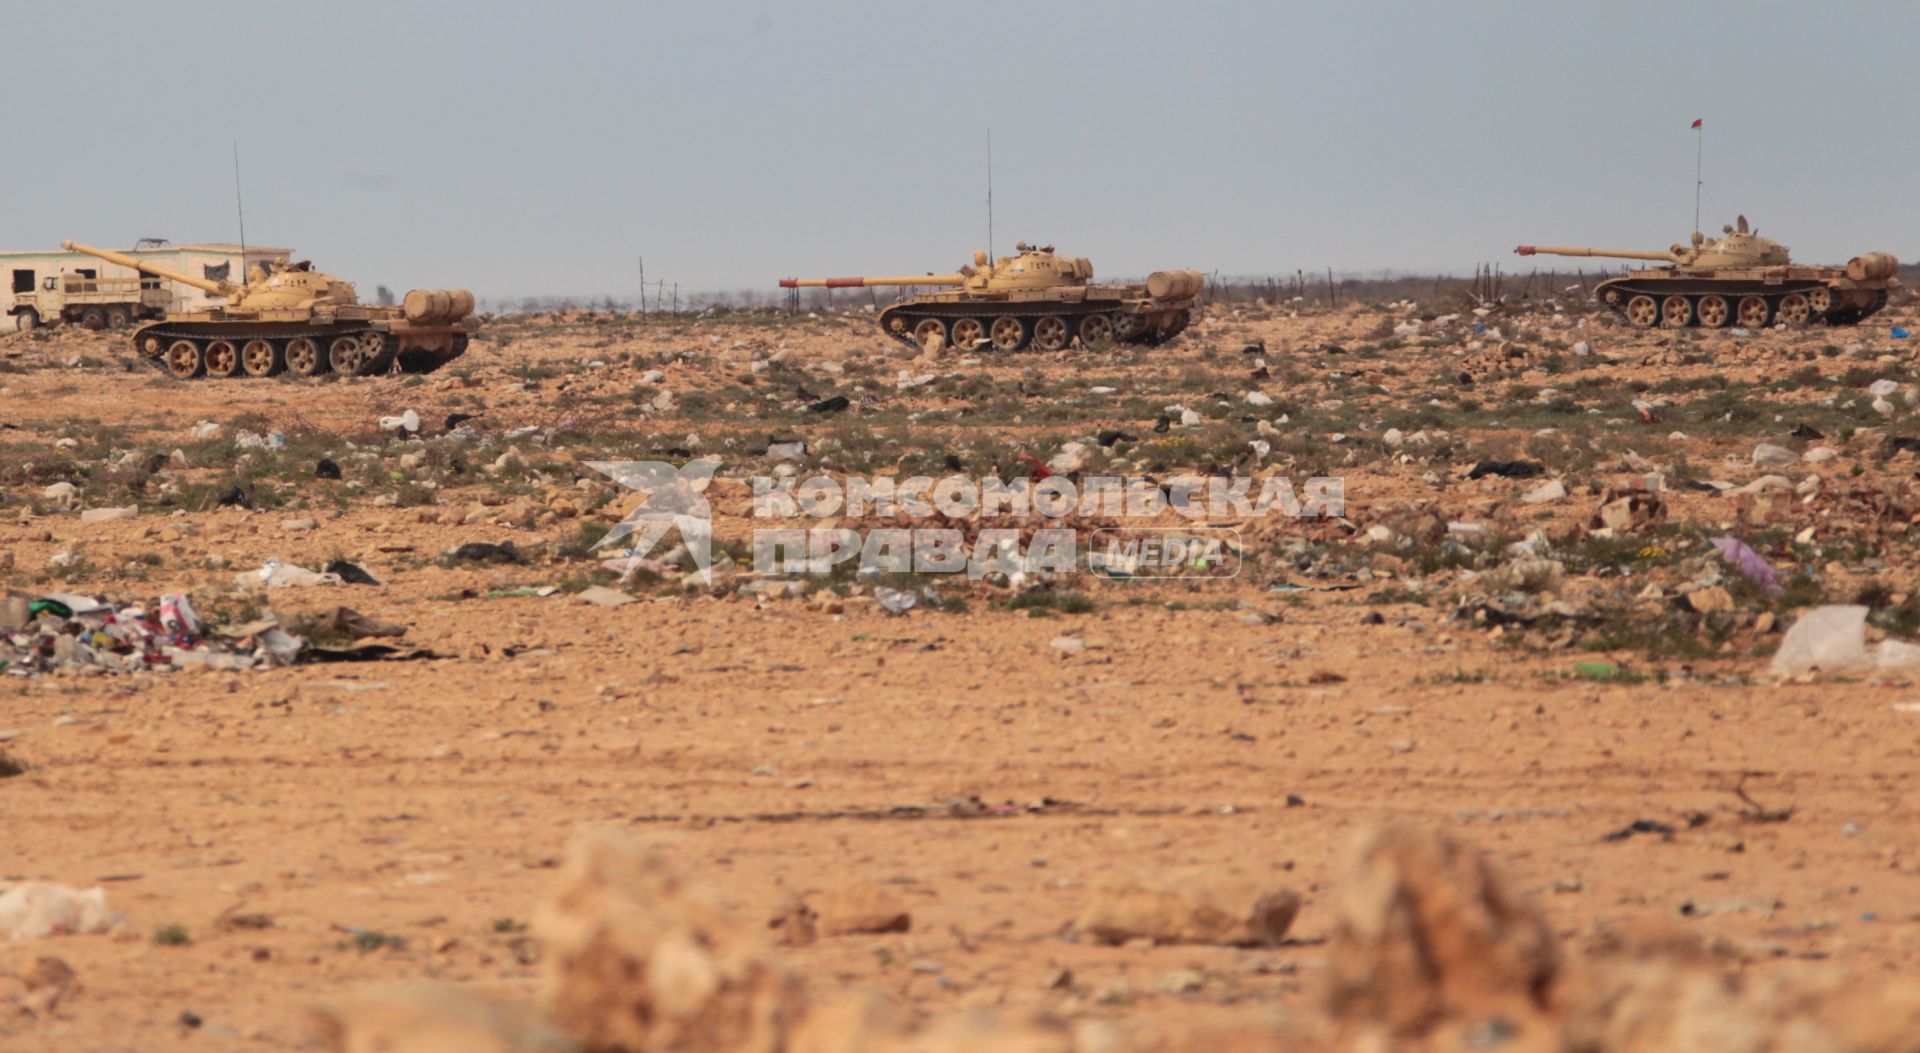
<point>1129,806</point>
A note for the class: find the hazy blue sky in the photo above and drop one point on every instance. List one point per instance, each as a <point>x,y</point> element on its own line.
<point>538,148</point>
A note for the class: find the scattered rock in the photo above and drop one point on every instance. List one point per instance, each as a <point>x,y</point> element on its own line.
<point>1550,491</point>
<point>1189,907</point>
<point>857,909</point>
<point>1426,929</point>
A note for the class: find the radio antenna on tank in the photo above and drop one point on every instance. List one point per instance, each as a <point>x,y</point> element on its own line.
<point>239,206</point>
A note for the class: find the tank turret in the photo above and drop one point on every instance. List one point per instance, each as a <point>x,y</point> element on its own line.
<point>289,316</point>
<point>1738,276</point>
<point>1034,297</point>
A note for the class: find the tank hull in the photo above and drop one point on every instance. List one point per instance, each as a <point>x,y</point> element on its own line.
<point>210,346</point>
<point>1750,298</point>
<point>1048,320</point>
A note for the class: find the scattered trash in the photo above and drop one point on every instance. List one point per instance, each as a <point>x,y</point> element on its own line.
<point>1897,333</point>
<point>366,653</point>
<point>1507,470</point>
<point>237,497</point>
<point>177,615</point>
<point>326,469</point>
<point>1832,640</point>
<point>486,552</point>
<point>408,422</point>
<point>896,601</point>
<point>350,573</point>
<point>1773,456</point>
<point>1108,436</point>
<point>836,404</point>
<point>454,420</point>
<point>1641,826</point>
<point>1749,563</point>
<point>786,451</point>
<point>278,574</point>
<point>37,909</point>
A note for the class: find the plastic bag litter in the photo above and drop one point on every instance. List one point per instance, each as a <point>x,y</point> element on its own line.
<point>278,574</point>
<point>1832,640</point>
<point>37,908</point>
<point>896,601</point>
<point>408,422</point>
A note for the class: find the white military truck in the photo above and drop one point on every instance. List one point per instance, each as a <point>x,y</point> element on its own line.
<point>78,299</point>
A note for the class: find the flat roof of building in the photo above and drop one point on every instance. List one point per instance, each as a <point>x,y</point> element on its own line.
<point>198,246</point>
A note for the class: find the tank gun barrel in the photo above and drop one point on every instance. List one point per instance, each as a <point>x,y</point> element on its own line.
<point>1583,250</point>
<point>862,283</point>
<point>218,288</point>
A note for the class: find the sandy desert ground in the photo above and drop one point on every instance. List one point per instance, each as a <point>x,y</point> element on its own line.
<point>277,837</point>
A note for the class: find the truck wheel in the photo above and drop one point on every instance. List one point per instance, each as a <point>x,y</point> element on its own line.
<point>93,318</point>
<point>118,317</point>
<point>27,319</point>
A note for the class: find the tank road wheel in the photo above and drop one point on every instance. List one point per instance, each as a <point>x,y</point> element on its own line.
<point>184,361</point>
<point>1008,333</point>
<point>377,353</point>
<point>1128,328</point>
<point>1096,330</point>
<point>26,320</point>
<point>260,358</point>
<point>927,330</point>
<point>343,354</point>
<point>303,357</point>
<point>150,345</point>
<point>93,318</point>
<point>967,332</point>
<point>1712,311</point>
<point>222,358</point>
<point>1755,312</point>
<point>1820,299</point>
<point>1676,311</point>
<point>1052,333</point>
<point>1794,309</point>
<point>1642,311</point>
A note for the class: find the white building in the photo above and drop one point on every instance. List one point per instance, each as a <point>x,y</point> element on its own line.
<point>27,270</point>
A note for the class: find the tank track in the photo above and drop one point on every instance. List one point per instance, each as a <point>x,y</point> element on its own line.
<point>1621,295</point>
<point>386,357</point>
<point>1124,324</point>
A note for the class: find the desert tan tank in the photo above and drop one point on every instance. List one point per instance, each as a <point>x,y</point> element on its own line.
<point>1033,298</point>
<point>290,317</point>
<point>1741,277</point>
